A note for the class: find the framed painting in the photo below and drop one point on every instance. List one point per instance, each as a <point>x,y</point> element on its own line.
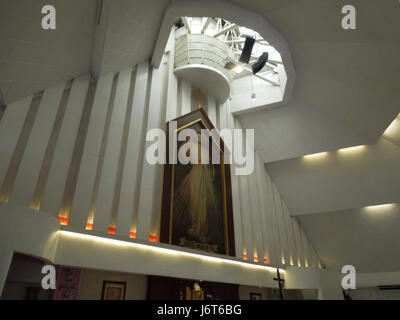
<point>197,198</point>
<point>113,290</point>
<point>255,296</point>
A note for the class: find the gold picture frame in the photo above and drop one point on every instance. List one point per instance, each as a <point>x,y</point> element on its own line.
<point>113,290</point>
<point>197,118</point>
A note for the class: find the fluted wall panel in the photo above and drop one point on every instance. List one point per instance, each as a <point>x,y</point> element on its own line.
<point>95,132</point>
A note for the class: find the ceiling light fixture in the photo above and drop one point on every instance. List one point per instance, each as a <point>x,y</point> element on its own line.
<point>315,155</point>
<point>381,206</point>
<point>351,149</point>
<point>253,94</point>
<point>238,69</point>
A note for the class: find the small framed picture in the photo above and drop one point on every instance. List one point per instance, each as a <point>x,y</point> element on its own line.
<point>113,290</point>
<point>255,296</point>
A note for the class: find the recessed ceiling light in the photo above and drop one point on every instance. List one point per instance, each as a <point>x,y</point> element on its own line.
<point>350,149</point>
<point>238,69</point>
<point>315,155</point>
<point>381,206</point>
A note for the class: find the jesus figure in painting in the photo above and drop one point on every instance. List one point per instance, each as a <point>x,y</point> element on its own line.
<point>197,217</point>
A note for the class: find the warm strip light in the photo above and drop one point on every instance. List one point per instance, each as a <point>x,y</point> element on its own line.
<point>167,251</point>
<point>89,226</point>
<point>351,149</point>
<point>393,127</point>
<point>112,230</point>
<point>153,239</point>
<point>266,261</point>
<point>63,221</point>
<point>245,257</point>
<point>315,155</point>
<point>381,206</point>
<point>255,259</point>
<point>132,235</point>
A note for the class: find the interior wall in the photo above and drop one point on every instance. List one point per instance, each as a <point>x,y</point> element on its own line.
<point>25,272</point>
<point>91,284</point>
<point>373,293</point>
<point>245,291</point>
<point>76,152</point>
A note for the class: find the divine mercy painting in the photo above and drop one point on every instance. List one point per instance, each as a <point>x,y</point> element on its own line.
<point>196,204</point>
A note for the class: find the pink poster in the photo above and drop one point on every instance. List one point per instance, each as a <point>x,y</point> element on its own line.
<point>67,284</point>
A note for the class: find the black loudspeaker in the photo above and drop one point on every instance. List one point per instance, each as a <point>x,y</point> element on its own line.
<point>248,48</point>
<point>260,63</point>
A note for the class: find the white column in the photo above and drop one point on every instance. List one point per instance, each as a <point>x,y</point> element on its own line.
<point>104,201</point>
<point>263,212</point>
<point>290,236</point>
<point>5,263</point>
<point>281,226</point>
<point>10,129</point>
<point>172,82</point>
<point>307,258</point>
<point>272,226</point>
<point>146,199</point>
<point>91,154</point>
<point>186,97</point>
<point>223,116</point>
<point>172,94</point>
<point>212,111</point>
<point>237,218</point>
<point>57,178</point>
<point>245,209</point>
<point>299,241</point>
<point>39,137</point>
<point>134,154</point>
<point>255,217</point>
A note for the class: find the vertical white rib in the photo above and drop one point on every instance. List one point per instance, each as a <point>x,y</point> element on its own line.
<point>133,153</point>
<point>307,258</point>
<point>281,226</point>
<point>62,157</point>
<point>245,209</point>
<point>36,147</point>
<point>237,218</point>
<point>299,242</point>
<point>272,226</point>
<point>223,116</point>
<point>290,235</point>
<point>10,129</point>
<point>147,200</point>
<point>91,154</point>
<point>186,97</point>
<point>255,215</point>
<point>108,179</point>
<point>172,94</point>
<point>263,212</point>
<point>212,110</point>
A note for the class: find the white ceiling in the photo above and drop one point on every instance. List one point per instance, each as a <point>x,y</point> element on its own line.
<point>340,180</point>
<point>365,238</point>
<point>32,59</point>
<point>131,32</point>
<point>347,92</point>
